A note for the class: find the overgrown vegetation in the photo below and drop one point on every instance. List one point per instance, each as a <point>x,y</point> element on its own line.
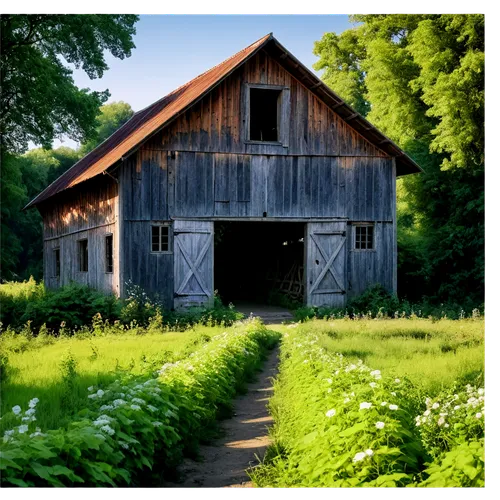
<point>31,305</point>
<point>341,423</point>
<point>136,428</point>
<point>376,301</point>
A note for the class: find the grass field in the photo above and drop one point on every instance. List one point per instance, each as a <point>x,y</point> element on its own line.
<point>37,371</point>
<point>378,403</point>
<point>433,355</point>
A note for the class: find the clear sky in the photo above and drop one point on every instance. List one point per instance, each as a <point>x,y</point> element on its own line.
<point>173,49</point>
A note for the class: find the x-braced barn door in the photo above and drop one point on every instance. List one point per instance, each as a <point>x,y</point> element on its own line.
<point>193,262</point>
<point>326,264</point>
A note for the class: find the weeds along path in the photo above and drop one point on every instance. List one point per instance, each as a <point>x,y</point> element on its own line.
<point>224,461</point>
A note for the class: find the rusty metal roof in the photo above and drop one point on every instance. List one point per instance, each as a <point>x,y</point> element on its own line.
<point>146,122</point>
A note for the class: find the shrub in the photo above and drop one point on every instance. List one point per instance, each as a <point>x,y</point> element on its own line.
<point>138,427</point>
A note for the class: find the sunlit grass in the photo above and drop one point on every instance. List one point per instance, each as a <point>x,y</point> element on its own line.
<point>37,373</point>
<point>433,355</point>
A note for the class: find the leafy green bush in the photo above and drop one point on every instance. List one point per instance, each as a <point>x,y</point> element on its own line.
<point>377,302</point>
<point>136,428</point>
<point>340,424</point>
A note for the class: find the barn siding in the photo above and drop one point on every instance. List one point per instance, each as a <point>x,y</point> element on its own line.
<point>87,212</point>
<point>216,123</point>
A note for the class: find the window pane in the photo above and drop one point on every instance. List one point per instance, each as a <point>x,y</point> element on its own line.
<point>164,238</point>
<point>155,238</point>
<point>109,253</point>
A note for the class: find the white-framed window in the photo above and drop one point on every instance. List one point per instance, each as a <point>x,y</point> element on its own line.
<point>108,249</point>
<point>364,237</point>
<point>161,238</point>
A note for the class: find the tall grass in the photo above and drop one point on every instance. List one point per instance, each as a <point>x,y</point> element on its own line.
<point>433,354</point>
<point>37,370</point>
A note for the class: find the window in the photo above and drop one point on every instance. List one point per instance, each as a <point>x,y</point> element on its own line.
<point>57,262</point>
<point>160,238</point>
<point>108,243</point>
<point>364,237</point>
<point>264,121</point>
<point>83,255</point>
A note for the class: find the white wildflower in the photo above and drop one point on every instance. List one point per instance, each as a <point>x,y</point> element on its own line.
<point>393,407</point>
<point>106,407</point>
<point>446,425</point>
<point>427,413</point>
<point>16,410</point>
<point>375,372</point>
<point>383,403</point>
<point>152,408</point>
<point>139,401</point>
<point>100,436</point>
<point>157,424</point>
<point>135,407</point>
<point>33,402</point>
<point>441,421</point>
<point>479,415</point>
<point>373,385</point>
<point>30,412</point>
<point>380,425</point>
<point>22,429</point>
<point>364,406</point>
<point>393,393</point>
<point>330,413</point>
<point>359,456</point>
<point>329,390</point>
<point>92,396</point>
<point>346,400</point>
<point>435,406</point>
<point>91,388</point>
<point>100,393</point>
<point>457,407</point>
<point>118,402</point>
<point>480,392</point>
<point>397,381</point>
<point>369,452</point>
<point>109,430</point>
<point>123,444</point>
<point>329,380</point>
<point>427,401</point>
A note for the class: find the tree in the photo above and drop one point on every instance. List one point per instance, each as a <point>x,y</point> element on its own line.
<point>420,79</point>
<point>112,116</point>
<point>39,100</point>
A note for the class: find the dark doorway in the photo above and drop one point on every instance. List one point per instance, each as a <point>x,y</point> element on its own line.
<point>259,262</point>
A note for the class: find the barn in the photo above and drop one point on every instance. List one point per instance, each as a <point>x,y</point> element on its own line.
<point>251,179</point>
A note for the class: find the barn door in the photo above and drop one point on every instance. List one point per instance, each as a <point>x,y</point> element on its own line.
<point>193,263</point>
<point>326,264</point>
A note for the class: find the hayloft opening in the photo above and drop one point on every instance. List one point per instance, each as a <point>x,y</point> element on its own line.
<point>264,114</point>
<point>259,262</point>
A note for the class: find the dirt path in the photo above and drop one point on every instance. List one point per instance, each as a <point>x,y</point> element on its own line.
<point>245,435</point>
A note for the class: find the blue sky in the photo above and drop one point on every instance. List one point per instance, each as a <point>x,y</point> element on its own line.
<point>173,49</point>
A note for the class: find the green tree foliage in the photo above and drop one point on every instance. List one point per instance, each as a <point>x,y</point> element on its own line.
<point>420,79</point>
<point>39,99</point>
<point>23,177</point>
<point>112,116</point>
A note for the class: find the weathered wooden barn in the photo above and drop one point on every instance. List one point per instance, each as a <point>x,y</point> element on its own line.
<point>252,177</point>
